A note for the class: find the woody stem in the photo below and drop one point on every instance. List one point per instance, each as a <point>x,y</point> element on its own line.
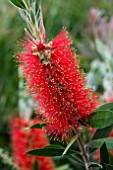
<point>82,149</point>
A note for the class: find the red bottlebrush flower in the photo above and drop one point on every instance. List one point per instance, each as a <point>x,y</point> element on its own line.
<point>24,140</point>
<point>53,76</point>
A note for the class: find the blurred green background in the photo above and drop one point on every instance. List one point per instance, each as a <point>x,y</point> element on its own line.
<point>72,14</point>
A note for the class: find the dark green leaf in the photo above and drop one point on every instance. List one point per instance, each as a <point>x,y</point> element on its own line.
<point>35,166</point>
<point>100,119</point>
<point>18,3</point>
<point>37,2</point>
<point>76,161</point>
<point>51,150</point>
<point>39,126</point>
<point>99,142</point>
<point>111,158</point>
<point>108,166</point>
<point>32,16</point>
<point>102,133</point>
<point>102,116</point>
<point>104,157</point>
<point>107,106</point>
<point>77,157</point>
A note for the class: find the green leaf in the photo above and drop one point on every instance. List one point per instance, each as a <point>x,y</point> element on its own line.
<point>100,119</point>
<point>104,157</point>
<point>69,144</point>
<point>78,158</point>
<point>32,16</point>
<point>35,165</point>
<point>50,150</point>
<point>111,158</point>
<point>108,166</point>
<point>37,2</point>
<point>99,142</point>
<point>107,106</point>
<point>102,133</point>
<point>27,3</point>
<point>76,161</point>
<point>102,116</point>
<point>39,126</point>
<point>18,3</point>
<point>63,167</point>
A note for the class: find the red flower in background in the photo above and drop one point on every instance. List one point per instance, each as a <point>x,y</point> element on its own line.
<point>110,98</point>
<point>53,76</point>
<point>23,140</point>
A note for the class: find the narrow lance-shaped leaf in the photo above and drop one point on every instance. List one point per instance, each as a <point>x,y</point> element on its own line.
<point>76,158</point>
<point>51,150</point>
<point>76,161</point>
<point>102,133</point>
<point>63,167</point>
<point>100,119</point>
<point>102,116</point>
<point>18,3</point>
<point>107,106</point>
<point>35,165</point>
<point>27,2</point>
<point>32,14</point>
<point>38,125</point>
<point>37,2</point>
<point>70,144</point>
<point>104,157</point>
<point>99,142</point>
<point>108,166</point>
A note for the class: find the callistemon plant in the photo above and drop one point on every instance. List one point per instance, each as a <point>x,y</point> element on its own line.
<point>58,86</point>
<point>56,82</point>
<point>53,76</point>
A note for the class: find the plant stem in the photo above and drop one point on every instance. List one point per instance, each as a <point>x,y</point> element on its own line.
<point>82,149</point>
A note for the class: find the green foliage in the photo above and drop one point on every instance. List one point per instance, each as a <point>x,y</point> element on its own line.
<point>104,157</point>
<point>7,160</point>
<point>99,142</point>
<point>108,166</point>
<point>102,117</point>
<point>102,133</point>
<point>56,15</point>
<point>107,106</point>
<point>39,126</point>
<point>35,167</point>
<point>18,3</point>
<point>76,161</point>
<point>69,144</point>
<point>10,32</point>
<point>51,150</point>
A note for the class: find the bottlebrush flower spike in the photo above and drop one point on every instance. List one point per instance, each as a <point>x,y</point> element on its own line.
<point>53,76</point>
<point>23,140</point>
